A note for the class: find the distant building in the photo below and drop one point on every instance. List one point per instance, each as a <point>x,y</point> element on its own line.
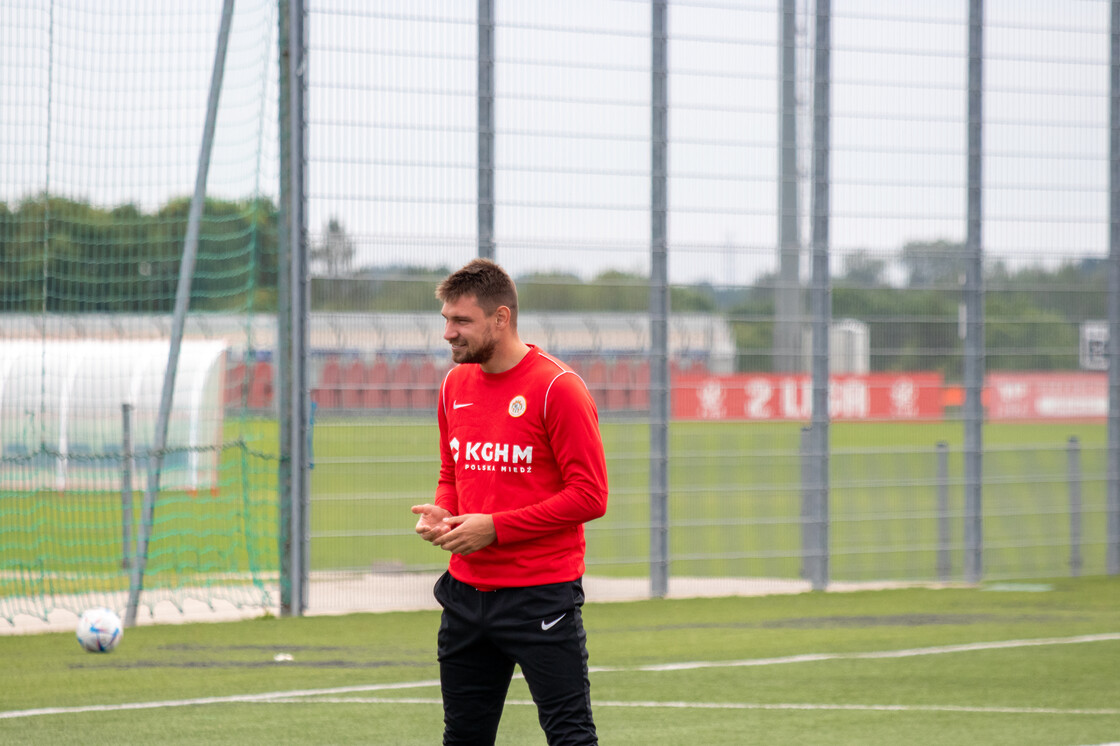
<point>849,347</point>
<point>693,337</point>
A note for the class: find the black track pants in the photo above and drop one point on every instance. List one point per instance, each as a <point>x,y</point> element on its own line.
<point>484,633</point>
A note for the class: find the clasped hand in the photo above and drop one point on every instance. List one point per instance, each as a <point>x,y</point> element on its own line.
<point>458,534</point>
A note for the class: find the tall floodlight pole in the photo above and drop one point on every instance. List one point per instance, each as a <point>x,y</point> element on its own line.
<point>1112,553</point>
<point>974,305</point>
<point>659,305</point>
<point>787,296</point>
<point>486,129</point>
<point>820,299</point>
<point>292,316</point>
<point>178,319</point>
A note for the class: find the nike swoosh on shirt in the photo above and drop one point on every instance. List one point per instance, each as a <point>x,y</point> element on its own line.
<point>457,405</point>
<point>546,626</point>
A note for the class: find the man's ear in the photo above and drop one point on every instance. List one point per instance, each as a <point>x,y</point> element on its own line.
<point>502,316</point>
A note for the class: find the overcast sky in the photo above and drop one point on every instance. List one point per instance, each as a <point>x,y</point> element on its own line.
<point>111,95</point>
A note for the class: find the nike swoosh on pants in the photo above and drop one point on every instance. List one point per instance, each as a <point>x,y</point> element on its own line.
<point>549,625</point>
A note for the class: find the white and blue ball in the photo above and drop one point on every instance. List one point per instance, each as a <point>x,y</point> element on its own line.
<point>100,630</point>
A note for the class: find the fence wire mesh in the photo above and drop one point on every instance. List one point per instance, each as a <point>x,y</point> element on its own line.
<point>571,219</point>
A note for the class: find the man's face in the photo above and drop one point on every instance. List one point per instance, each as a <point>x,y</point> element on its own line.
<point>469,330</point>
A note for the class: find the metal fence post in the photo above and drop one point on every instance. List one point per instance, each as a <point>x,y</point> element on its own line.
<point>485,204</point>
<point>1073,461</point>
<point>974,305</point>
<point>1112,507</point>
<point>821,291</point>
<point>787,296</point>
<point>127,545</point>
<point>944,525</point>
<point>659,306</point>
<point>808,491</point>
<point>292,314</point>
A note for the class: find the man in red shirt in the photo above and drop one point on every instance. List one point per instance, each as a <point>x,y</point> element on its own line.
<point>521,470</point>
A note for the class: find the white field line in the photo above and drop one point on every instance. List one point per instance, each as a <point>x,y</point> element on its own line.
<point>262,697</point>
<point>732,706</point>
<point>814,657</point>
<point>298,694</point>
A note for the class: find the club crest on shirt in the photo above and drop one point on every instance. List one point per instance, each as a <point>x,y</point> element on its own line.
<point>517,406</point>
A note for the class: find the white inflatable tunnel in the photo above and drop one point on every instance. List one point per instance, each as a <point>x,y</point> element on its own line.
<point>62,422</point>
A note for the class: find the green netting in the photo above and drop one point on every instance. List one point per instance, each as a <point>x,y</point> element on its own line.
<point>102,125</point>
<point>70,550</point>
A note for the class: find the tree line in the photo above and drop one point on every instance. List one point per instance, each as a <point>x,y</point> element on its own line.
<point>66,256</point>
<point>61,255</point>
<point>1032,313</point>
<point>911,303</point>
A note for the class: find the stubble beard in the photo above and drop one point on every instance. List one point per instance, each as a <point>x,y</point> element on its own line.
<point>478,355</point>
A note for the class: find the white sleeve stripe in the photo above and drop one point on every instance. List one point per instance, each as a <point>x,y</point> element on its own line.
<point>550,359</point>
<point>554,380</point>
<point>563,370</point>
<point>548,390</point>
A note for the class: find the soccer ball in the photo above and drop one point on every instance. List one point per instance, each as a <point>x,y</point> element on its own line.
<point>99,630</point>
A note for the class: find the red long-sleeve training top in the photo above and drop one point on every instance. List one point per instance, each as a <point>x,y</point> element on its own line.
<point>523,446</point>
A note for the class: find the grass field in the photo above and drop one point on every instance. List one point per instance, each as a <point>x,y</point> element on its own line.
<point>735,497</point>
<point>1023,665</point>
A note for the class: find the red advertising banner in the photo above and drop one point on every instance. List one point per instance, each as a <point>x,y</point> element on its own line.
<point>768,396</point>
<point>1046,396</point>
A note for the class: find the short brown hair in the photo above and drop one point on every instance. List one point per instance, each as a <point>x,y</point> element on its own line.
<point>486,281</point>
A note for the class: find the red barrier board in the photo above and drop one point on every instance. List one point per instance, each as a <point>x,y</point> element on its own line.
<point>1046,396</point>
<point>768,396</point>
